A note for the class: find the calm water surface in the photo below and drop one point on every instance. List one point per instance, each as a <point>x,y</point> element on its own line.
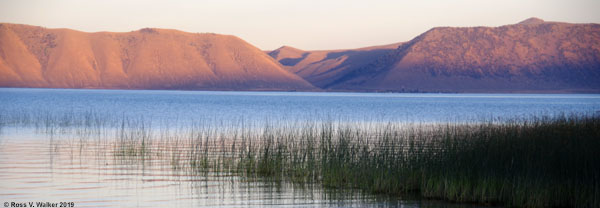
<point>62,167</point>
<point>194,105</point>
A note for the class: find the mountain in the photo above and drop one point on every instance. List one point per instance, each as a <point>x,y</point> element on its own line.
<point>531,56</point>
<point>320,67</point>
<point>531,21</point>
<point>145,59</point>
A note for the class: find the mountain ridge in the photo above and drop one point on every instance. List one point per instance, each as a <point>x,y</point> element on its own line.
<point>148,58</point>
<point>533,55</point>
<point>530,56</point>
<point>319,66</point>
<point>531,21</point>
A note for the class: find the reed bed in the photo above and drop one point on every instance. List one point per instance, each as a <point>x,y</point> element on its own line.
<point>529,162</point>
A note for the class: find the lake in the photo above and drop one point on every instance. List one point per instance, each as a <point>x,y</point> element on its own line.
<point>187,106</point>
<point>64,158</point>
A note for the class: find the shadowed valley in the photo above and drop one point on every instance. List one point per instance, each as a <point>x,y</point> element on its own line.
<point>321,67</point>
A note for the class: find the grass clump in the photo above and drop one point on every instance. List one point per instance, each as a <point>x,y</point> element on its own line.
<point>529,162</point>
<point>538,162</point>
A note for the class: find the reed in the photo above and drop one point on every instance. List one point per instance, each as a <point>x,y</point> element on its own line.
<point>528,162</point>
<point>538,162</point>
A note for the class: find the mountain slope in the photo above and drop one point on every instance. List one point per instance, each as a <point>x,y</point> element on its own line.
<point>320,67</point>
<point>145,59</point>
<point>532,56</point>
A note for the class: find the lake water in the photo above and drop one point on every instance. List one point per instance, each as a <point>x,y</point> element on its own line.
<point>60,166</point>
<point>185,106</point>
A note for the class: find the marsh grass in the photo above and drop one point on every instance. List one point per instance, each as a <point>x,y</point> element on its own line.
<point>530,162</point>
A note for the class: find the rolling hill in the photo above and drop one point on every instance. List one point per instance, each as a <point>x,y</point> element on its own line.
<point>531,56</point>
<point>319,67</point>
<point>149,58</point>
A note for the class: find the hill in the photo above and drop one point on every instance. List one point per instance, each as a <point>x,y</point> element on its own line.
<point>145,59</point>
<point>320,67</point>
<point>531,56</point>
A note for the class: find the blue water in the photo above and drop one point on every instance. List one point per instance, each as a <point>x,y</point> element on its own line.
<point>73,166</point>
<point>294,106</point>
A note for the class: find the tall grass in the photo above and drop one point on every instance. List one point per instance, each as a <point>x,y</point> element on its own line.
<point>530,162</point>
<point>533,163</point>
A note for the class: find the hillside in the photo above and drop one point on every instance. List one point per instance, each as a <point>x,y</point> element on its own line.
<point>320,67</point>
<point>145,59</point>
<point>532,56</point>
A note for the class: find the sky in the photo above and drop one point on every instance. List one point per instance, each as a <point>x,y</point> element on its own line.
<point>304,24</point>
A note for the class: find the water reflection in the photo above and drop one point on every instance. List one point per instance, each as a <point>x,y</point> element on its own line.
<point>92,173</point>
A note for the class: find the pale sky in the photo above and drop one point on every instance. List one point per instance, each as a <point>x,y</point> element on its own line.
<point>304,24</point>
